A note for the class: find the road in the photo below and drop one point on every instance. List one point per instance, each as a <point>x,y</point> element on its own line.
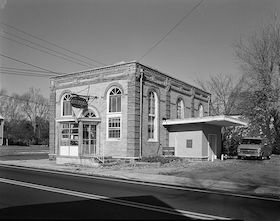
<point>28,193</point>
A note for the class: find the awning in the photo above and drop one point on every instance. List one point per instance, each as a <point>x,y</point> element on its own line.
<point>1,118</point>
<point>221,120</point>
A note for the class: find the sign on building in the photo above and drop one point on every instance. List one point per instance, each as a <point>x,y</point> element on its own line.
<point>79,102</point>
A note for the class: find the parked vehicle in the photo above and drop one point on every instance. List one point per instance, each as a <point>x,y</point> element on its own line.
<point>253,147</point>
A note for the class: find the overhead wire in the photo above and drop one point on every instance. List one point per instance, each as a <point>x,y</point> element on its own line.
<point>25,74</point>
<point>22,69</point>
<point>51,43</point>
<point>26,63</point>
<point>73,59</point>
<point>175,26</point>
<point>21,43</point>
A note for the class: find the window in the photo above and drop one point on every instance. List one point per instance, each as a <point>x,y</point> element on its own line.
<point>89,114</point>
<point>114,127</point>
<point>152,116</point>
<point>189,143</point>
<point>66,105</point>
<point>200,111</point>
<point>115,100</point>
<point>114,114</point>
<point>180,109</point>
<point>69,134</point>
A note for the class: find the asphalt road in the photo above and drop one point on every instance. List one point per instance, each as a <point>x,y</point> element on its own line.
<point>43,195</point>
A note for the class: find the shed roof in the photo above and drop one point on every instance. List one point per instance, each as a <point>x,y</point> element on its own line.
<point>221,120</point>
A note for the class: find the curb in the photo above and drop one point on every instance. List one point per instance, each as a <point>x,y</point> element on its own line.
<point>217,187</point>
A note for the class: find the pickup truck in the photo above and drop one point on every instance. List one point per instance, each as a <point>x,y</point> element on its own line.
<point>253,147</point>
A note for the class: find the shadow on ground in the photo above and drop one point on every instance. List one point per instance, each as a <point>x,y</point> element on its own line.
<point>94,209</point>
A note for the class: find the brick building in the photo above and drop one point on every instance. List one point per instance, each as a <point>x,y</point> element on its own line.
<point>126,105</point>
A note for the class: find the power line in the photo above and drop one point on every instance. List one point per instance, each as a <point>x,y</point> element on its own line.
<point>44,51</point>
<point>44,69</point>
<point>33,36</point>
<point>15,36</point>
<point>24,74</point>
<point>175,26</point>
<point>21,69</point>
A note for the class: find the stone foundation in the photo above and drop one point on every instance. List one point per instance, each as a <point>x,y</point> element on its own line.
<point>85,161</point>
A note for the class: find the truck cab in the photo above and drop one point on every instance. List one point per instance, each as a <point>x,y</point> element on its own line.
<point>253,147</point>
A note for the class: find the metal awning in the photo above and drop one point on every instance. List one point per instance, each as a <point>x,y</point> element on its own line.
<point>221,120</point>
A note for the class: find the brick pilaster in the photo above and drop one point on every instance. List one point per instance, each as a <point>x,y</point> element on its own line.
<point>52,153</point>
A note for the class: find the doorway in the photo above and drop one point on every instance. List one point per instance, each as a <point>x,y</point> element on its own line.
<point>212,147</point>
<point>89,139</point>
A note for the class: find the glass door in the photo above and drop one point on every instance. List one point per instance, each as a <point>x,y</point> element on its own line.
<point>89,139</point>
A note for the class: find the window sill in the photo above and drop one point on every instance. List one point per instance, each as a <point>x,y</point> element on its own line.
<point>152,141</point>
<point>113,139</point>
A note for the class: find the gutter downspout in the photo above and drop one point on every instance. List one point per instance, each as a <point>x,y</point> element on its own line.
<point>141,112</point>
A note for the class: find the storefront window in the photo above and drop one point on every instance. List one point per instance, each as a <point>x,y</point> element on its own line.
<point>69,134</point>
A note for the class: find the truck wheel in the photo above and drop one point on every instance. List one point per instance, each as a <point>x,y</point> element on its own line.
<point>239,157</point>
<point>268,157</point>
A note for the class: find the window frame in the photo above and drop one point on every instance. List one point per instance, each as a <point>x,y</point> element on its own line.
<point>109,96</point>
<point>153,116</point>
<point>114,128</point>
<point>62,105</point>
<point>112,115</point>
<point>70,133</point>
<point>200,110</point>
<point>182,108</point>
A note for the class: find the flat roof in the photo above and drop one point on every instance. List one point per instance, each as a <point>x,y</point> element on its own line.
<point>126,63</point>
<point>221,120</point>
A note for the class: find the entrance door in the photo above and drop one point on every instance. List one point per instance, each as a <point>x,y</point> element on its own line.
<point>89,139</point>
<point>212,149</point>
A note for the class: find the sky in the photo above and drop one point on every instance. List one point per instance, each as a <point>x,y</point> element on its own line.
<point>105,32</point>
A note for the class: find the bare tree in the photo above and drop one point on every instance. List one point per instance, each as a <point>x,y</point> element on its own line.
<point>224,93</point>
<point>260,61</point>
<point>10,106</point>
<point>34,106</point>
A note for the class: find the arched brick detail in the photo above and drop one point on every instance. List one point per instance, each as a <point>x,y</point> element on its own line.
<point>115,84</point>
<point>62,94</point>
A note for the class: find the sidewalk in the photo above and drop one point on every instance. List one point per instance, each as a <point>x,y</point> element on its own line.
<point>137,175</point>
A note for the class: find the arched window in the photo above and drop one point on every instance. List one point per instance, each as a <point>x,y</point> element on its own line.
<point>115,100</point>
<point>152,116</point>
<point>114,114</point>
<point>66,105</point>
<point>200,111</point>
<point>89,114</point>
<point>180,108</point>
